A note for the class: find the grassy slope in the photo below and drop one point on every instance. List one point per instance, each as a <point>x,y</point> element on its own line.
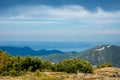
<point>102,74</point>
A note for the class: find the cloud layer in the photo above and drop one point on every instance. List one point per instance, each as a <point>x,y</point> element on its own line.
<point>63,13</point>
<point>63,23</point>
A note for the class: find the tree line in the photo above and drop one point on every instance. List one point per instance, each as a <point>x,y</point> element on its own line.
<point>17,65</point>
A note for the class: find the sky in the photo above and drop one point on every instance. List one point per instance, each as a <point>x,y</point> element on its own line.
<point>60,20</point>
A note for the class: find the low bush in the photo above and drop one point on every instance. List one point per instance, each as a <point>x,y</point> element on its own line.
<point>74,66</point>
<point>37,73</point>
<point>106,64</point>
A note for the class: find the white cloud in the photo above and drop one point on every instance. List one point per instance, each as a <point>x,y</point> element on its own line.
<point>63,13</point>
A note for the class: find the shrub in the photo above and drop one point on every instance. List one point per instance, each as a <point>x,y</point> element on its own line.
<point>30,68</point>
<point>106,64</point>
<point>5,73</point>
<point>47,66</point>
<point>18,65</point>
<point>37,73</point>
<point>13,72</point>
<point>74,66</point>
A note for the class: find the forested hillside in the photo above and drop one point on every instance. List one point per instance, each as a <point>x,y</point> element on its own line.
<point>96,55</point>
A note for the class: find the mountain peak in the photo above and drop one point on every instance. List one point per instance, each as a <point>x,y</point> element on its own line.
<point>104,47</point>
<point>104,53</point>
<point>99,49</point>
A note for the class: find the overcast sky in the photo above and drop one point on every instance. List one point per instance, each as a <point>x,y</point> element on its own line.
<point>60,20</point>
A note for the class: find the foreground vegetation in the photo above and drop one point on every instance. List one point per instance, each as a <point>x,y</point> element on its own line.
<point>108,73</point>
<point>14,66</point>
<point>33,68</point>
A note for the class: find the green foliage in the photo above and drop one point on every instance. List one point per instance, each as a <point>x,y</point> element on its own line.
<point>31,64</point>
<point>18,65</point>
<point>37,73</point>
<point>4,73</point>
<point>74,66</point>
<point>4,62</point>
<point>13,72</point>
<point>106,64</point>
<point>15,66</point>
<point>27,62</point>
<point>47,66</point>
<point>30,68</point>
<point>36,63</point>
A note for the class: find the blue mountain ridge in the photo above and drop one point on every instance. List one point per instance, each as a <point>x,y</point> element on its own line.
<point>96,55</point>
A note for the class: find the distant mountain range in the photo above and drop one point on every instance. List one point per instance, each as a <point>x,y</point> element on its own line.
<point>23,51</point>
<point>96,55</point>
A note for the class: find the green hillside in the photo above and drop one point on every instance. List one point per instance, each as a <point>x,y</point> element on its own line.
<point>96,55</point>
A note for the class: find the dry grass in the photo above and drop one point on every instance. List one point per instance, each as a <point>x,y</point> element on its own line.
<point>99,74</point>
